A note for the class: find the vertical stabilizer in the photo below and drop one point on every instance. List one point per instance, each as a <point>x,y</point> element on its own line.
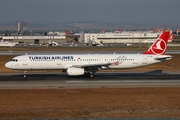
<point>159,46</point>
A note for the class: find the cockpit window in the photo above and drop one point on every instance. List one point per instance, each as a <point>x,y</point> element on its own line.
<point>14,60</point>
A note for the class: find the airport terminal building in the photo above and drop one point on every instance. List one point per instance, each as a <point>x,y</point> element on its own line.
<point>106,37</point>
<point>121,37</point>
<point>34,39</point>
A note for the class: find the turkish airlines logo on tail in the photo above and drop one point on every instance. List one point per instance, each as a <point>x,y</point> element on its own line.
<point>159,47</point>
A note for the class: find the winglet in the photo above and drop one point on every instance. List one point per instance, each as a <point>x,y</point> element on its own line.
<point>159,46</point>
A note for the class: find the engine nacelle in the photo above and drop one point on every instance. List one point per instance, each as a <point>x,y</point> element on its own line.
<point>75,71</point>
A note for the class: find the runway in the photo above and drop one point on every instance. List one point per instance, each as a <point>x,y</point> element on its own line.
<point>101,80</point>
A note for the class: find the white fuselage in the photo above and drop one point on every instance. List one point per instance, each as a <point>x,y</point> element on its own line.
<point>45,62</point>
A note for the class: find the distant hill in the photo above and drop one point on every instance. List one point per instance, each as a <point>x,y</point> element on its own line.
<point>89,26</point>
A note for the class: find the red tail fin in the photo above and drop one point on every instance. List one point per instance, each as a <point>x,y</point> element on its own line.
<point>159,46</point>
<point>171,38</point>
<point>103,31</point>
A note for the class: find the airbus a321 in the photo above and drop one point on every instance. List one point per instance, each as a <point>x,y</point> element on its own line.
<point>89,64</point>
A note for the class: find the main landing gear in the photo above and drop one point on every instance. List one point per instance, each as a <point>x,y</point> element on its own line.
<point>89,74</point>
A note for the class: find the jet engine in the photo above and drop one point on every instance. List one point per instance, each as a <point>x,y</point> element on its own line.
<point>75,71</point>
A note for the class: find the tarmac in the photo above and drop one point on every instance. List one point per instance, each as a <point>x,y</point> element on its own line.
<point>156,78</point>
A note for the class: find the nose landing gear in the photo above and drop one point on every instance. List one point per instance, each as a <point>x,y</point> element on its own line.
<point>25,73</point>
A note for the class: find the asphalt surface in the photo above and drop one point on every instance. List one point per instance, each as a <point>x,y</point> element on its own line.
<point>156,78</point>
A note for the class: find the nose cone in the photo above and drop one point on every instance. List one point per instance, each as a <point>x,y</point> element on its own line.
<point>8,65</point>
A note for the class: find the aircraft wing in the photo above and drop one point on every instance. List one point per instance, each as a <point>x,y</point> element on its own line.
<point>92,65</point>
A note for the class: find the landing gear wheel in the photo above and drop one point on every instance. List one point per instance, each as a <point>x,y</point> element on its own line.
<point>25,74</point>
<point>91,75</point>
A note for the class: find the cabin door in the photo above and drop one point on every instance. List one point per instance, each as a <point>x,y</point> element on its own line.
<point>144,60</point>
<point>58,62</point>
<point>100,60</point>
<point>25,60</point>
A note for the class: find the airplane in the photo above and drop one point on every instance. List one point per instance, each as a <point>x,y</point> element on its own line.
<point>171,38</point>
<point>7,44</point>
<point>89,64</point>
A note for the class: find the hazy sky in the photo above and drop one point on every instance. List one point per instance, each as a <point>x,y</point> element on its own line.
<point>165,12</point>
